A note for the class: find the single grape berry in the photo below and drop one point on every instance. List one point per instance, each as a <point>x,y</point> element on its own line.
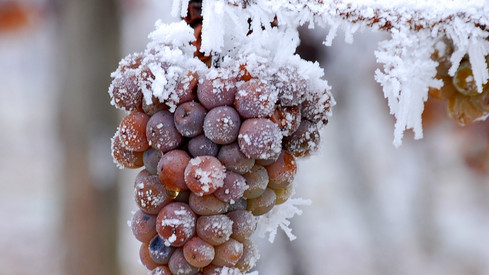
<point>202,146</point>
<point>176,223</point>
<point>171,169</point>
<point>221,125</point>
<point>179,265</point>
<point>132,131</point>
<point>158,251</point>
<point>257,182</point>
<point>161,132</point>
<point>197,252</point>
<point>146,258</point>
<point>287,119</point>
<point>233,188</point>
<point>143,226</point>
<point>260,138</point>
<point>234,160</point>
<point>263,204</point>
<point>204,174</point>
<point>281,172</point>
<point>228,253</point>
<point>217,88</point>
<point>125,92</point>
<point>244,224</point>
<point>123,157</point>
<point>215,229</point>
<point>304,141</point>
<point>207,204</point>
<point>250,256</point>
<point>254,99</point>
<point>149,194</point>
<point>283,194</point>
<point>189,119</point>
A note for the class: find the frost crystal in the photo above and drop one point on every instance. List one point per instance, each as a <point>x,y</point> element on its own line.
<point>414,26</point>
<point>279,217</point>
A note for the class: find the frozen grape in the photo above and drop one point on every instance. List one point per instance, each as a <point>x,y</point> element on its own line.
<point>221,125</point>
<point>215,229</point>
<point>234,160</point>
<point>283,194</point>
<point>189,119</point>
<point>132,131</point>
<point>179,265</point>
<point>150,195</point>
<point>216,89</point>
<point>316,106</point>
<point>233,188</point>
<point>124,157</point>
<point>244,224</point>
<point>171,168</point>
<point>146,258</point>
<point>250,256</point>
<point>290,84</point>
<point>207,204</point>
<point>263,203</point>
<point>228,253</point>
<point>160,270</point>
<point>304,141</point>
<point>282,171</point>
<point>287,119</point>
<point>257,181</point>
<point>204,174</point>
<point>184,91</point>
<point>254,99</point>
<point>260,138</point>
<point>197,252</point>
<point>125,92</point>
<point>143,226</point>
<point>151,157</point>
<point>154,106</point>
<point>176,223</point>
<point>158,251</point>
<point>161,132</point>
<point>202,146</point>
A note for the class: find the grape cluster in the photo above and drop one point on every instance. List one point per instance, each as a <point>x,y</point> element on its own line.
<point>465,103</point>
<point>218,146</point>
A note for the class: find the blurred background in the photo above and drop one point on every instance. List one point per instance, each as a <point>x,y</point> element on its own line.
<point>420,209</point>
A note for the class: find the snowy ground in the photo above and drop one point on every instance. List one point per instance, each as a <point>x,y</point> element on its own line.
<point>376,209</point>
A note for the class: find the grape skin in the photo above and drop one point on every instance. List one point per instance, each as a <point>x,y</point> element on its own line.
<point>158,251</point>
<point>189,119</point>
<point>254,100</point>
<point>260,138</point>
<point>160,270</point>
<point>215,89</point>
<point>149,193</point>
<point>234,160</point>
<point>151,157</point>
<point>221,125</point>
<point>179,265</point>
<point>146,258</point>
<point>204,174</point>
<point>123,157</point>
<point>215,229</point>
<point>250,256</point>
<point>233,188</point>
<point>263,204</point>
<point>207,204</point>
<point>176,223</point>
<point>171,169</point>
<point>228,253</point>
<point>161,132</point>
<point>281,172</point>
<point>202,146</point>
<point>257,181</point>
<point>143,226</point>
<point>198,253</point>
<point>125,92</point>
<point>304,141</point>
<point>244,224</point>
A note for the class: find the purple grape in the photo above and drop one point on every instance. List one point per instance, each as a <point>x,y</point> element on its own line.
<point>254,99</point>
<point>161,132</point>
<point>221,125</point>
<point>202,146</point>
<point>233,188</point>
<point>143,226</point>
<point>260,138</point>
<point>215,229</point>
<point>151,157</point>
<point>304,141</point>
<point>234,160</point>
<point>189,118</point>
<point>216,89</point>
<point>179,265</point>
<point>158,251</point>
<point>244,224</point>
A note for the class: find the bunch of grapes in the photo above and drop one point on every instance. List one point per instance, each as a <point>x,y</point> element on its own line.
<point>218,148</point>
<point>465,103</point>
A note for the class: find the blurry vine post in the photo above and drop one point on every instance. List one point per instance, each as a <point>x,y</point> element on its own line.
<point>90,42</point>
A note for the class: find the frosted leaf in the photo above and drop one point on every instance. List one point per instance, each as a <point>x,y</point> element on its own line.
<point>279,217</point>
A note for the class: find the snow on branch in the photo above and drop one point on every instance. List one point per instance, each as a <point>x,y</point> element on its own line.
<point>415,27</point>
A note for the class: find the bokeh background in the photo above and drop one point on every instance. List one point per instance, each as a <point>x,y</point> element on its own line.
<point>420,209</point>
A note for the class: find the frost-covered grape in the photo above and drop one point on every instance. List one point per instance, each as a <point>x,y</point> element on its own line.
<point>158,251</point>
<point>217,88</point>
<point>132,131</point>
<point>143,226</point>
<point>254,99</point>
<point>197,252</point>
<point>304,141</point>
<point>228,253</point>
<point>204,174</point>
<point>260,138</point>
<point>287,119</point>
<point>160,270</point>
<point>171,168</point>
<point>283,194</point>
<point>234,160</point>
<point>215,229</point>
<point>282,172</point>
<point>239,204</point>
<point>131,61</point>
<point>233,188</point>
<point>189,119</point>
<point>207,204</point>
<point>464,79</point>
<point>125,92</point>
<point>146,258</point>
<point>257,181</point>
<point>161,132</point>
<point>244,224</point>
<point>462,111</point>
<point>316,106</point>
<point>185,87</point>
<point>290,85</point>
<point>176,223</point>
<point>221,125</point>
<point>262,204</point>
<point>149,194</point>
<point>250,256</point>
<point>179,265</point>
<point>202,146</point>
<point>151,157</point>
<point>124,157</point>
